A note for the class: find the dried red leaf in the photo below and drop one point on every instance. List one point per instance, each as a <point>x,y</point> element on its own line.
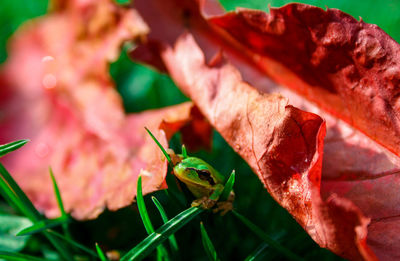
<point>350,69</point>
<point>282,144</point>
<point>359,181</point>
<point>326,56</point>
<point>60,96</point>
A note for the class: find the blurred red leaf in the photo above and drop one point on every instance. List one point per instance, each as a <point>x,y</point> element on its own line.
<point>347,201</point>
<point>60,95</point>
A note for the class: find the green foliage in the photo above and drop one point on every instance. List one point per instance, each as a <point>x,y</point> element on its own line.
<point>122,1</point>
<point>9,226</point>
<point>42,225</point>
<point>172,239</point>
<point>161,251</point>
<point>228,186</point>
<point>258,254</point>
<point>10,190</point>
<point>73,243</point>
<point>12,14</point>
<point>207,244</point>
<point>142,87</point>
<point>160,235</point>
<point>15,196</point>
<point>19,257</point>
<point>269,240</point>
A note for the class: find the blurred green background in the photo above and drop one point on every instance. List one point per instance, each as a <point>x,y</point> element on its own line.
<point>142,88</point>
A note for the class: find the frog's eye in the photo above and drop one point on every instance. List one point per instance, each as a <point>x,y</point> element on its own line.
<point>204,175</point>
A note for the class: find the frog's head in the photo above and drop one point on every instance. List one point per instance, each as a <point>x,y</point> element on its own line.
<point>198,175</point>
<point>197,172</point>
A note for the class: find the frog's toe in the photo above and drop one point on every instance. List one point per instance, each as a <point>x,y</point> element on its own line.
<point>223,207</point>
<point>204,202</point>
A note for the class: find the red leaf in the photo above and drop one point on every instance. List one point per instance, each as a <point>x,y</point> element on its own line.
<point>321,55</point>
<point>347,67</point>
<point>61,97</point>
<point>282,144</point>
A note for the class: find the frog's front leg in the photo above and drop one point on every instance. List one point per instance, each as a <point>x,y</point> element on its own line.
<point>224,207</point>
<point>209,202</point>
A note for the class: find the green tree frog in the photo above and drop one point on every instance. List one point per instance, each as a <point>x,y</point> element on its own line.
<point>203,181</point>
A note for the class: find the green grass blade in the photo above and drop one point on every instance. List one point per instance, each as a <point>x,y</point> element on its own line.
<point>184,151</point>
<point>145,247</point>
<point>258,254</point>
<point>172,239</point>
<point>142,208</point>
<point>207,244</point>
<point>262,250</point>
<point>26,206</point>
<point>9,147</point>
<point>62,250</point>
<point>160,146</point>
<point>42,225</point>
<point>58,194</point>
<point>3,193</point>
<point>60,203</point>
<point>100,253</point>
<point>12,199</point>
<point>18,257</point>
<point>73,243</point>
<point>228,187</point>
<point>259,232</point>
<point>13,193</point>
<point>161,251</point>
